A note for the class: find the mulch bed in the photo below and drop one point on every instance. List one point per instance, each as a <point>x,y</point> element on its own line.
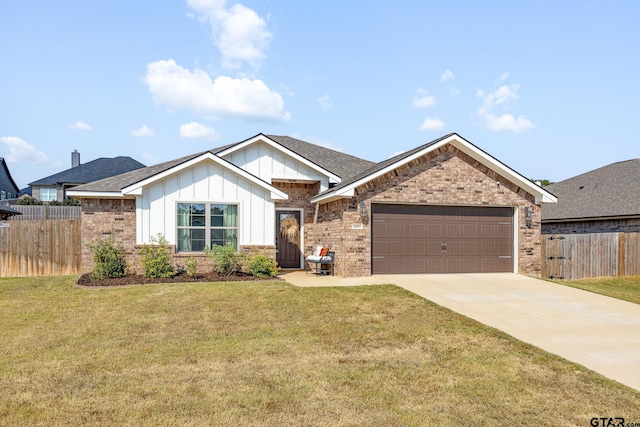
<point>136,279</point>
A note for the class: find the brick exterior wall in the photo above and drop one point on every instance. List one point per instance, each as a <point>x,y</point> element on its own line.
<point>446,176</point>
<point>631,225</point>
<point>102,217</point>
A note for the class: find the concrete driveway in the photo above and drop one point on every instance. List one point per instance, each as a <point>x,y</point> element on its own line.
<point>598,332</point>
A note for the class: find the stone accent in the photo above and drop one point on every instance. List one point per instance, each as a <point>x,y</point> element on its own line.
<point>630,225</point>
<point>446,176</point>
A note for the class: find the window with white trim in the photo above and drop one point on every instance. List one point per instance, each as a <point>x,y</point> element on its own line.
<point>3,195</point>
<point>48,194</point>
<point>206,224</point>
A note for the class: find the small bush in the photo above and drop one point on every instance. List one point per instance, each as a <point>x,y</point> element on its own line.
<point>191,265</point>
<point>226,260</point>
<point>262,266</point>
<point>108,258</point>
<point>28,201</point>
<point>156,259</point>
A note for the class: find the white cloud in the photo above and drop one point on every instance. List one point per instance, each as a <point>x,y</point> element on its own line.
<point>397,153</point>
<point>325,102</point>
<point>432,124</point>
<point>79,125</point>
<point>194,130</point>
<point>144,130</point>
<point>446,76</point>
<point>506,122</point>
<point>238,31</point>
<point>175,87</point>
<point>422,99</point>
<point>21,151</point>
<point>503,77</point>
<point>502,97</point>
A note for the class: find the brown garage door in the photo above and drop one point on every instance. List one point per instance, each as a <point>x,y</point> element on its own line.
<point>441,239</point>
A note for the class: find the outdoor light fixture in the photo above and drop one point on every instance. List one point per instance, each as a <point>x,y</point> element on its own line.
<point>363,211</point>
<point>528,216</point>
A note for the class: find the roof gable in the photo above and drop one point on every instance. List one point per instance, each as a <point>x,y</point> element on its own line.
<point>347,188</point>
<point>136,180</point>
<point>606,192</point>
<point>336,166</point>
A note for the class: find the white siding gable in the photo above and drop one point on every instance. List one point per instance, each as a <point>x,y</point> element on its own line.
<point>207,181</point>
<point>271,164</point>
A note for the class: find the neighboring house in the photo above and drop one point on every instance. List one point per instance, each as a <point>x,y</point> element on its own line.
<point>8,187</point>
<point>602,200</point>
<point>445,206</point>
<point>54,187</point>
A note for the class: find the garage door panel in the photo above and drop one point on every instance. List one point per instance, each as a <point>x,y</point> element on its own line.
<point>418,248</point>
<point>418,229</point>
<point>397,230</point>
<point>398,247</point>
<point>441,239</point>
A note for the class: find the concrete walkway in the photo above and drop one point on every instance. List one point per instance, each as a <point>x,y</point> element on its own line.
<point>598,332</point>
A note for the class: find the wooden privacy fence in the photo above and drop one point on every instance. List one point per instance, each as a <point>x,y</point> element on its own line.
<point>40,248</point>
<point>38,212</point>
<point>577,256</point>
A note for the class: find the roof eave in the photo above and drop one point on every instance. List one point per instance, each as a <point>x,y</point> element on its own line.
<point>79,194</point>
<point>541,195</point>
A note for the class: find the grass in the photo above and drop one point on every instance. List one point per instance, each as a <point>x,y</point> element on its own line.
<point>625,287</point>
<point>269,354</point>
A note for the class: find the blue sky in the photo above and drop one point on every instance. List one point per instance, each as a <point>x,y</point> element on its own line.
<point>549,88</point>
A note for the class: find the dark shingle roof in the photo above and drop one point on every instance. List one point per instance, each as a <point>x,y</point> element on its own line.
<point>92,171</point>
<point>6,210</point>
<point>609,191</point>
<point>343,165</point>
<point>375,167</point>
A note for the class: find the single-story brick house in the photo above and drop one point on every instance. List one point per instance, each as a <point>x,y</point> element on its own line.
<point>446,206</point>
<point>599,201</point>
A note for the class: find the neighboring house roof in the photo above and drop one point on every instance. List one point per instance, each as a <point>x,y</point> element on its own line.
<point>347,188</point>
<point>7,211</point>
<point>91,171</point>
<point>342,165</point>
<point>607,192</point>
<point>25,190</point>
<point>6,181</point>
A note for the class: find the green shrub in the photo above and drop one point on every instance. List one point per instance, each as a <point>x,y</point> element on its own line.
<point>262,266</point>
<point>156,258</point>
<point>191,265</point>
<point>28,201</point>
<point>226,260</point>
<point>108,258</point>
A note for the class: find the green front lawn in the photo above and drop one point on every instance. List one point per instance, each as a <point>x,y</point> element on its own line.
<point>269,354</point>
<point>626,288</point>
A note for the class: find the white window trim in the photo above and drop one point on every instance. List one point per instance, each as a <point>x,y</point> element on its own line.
<point>207,226</point>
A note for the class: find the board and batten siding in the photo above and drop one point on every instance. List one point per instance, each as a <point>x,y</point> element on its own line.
<point>156,209</point>
<point>270,164</point>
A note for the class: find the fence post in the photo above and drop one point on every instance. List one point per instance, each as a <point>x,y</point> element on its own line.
<point>622,246</point>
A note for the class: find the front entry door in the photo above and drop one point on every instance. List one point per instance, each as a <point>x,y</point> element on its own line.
<point>287,245</point>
